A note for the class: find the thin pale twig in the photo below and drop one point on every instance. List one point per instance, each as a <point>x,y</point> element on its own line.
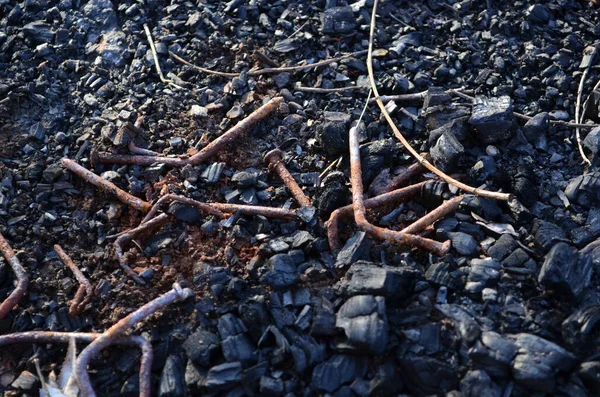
<point>589,51</point>
<point>155,56</point>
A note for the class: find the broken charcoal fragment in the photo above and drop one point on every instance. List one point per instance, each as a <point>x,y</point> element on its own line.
<point>578,326</point>
<point>201,347</point>
<point>427,376</point>
<point>281,272</point>
<point>364,322</point>
<point>564,270</point>
<point>371,278</point>
<point>478,383</point>
<point>356,246</point>
<point>446,152</point>
<point>338,20</point>
<point>493,118</point>
<point>493,353</point>
<point>338,370</point>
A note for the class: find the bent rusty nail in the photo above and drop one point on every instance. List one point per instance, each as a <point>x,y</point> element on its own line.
<point>85,287</point>
<point>436,247</point>
<point>269,212</point>
<point>275,162</point>
<point>64,337</point>
<point>117,330</point>
<point>395,196</point>
<point>205,207</point>
<point>103,184</point>
<point>138,150</point>
<point>119,242</point>
<point>20,274</point>
<point>205,153</point>
<point>447,207</point>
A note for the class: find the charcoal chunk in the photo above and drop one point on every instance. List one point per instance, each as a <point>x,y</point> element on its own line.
<point>592,141</point>
<point>547,234</point>
<point>577,327</point>
<point>584,189</point>
<point>539,13</point>
<point>370,278</point>
<point>185,213</point>
<point>338,370</point>
<point>446,152</point>
<point>538,361</point>
<point>493,118</point>
<point>172,378</point>
<point>464,322</point>
<point>535,128</point>
<point>26,381</point>
<point>282,271</point>
<point>38,32</point>
<point>356,247</point>
<point>224,376</point>
<point>364,322</point>
<point>201,347</point>
<point>338,20</point>
<point>478,383</point>
<point>589,372</point>
<point>503,247</point>
<point>464,243</point>
<point>426,376</point>
<point>324,319</point>
<point>333,137</point>
<point>333,194</point>
<point>565,270</point>
<point>446,274</point>
<point>493,353</point>
<point>385,382</point>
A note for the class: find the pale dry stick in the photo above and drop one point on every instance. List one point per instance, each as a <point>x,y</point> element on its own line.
<point>119,242</point>
<point>407,145</point>
<point>20,274</point>
<point>269,70</point>
<point>119,329</point>
<point>589,51</point>
<point>205,153</point>
<point>360,218</point>
<point>108,186</point>
<point>155,56</point>
<point>87,337</point>
<point>85,287</point>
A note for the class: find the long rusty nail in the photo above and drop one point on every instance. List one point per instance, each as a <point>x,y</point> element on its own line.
<point>138,150</point>
<point>204,207</point>
<point>275,162</point>
<point>447,207</point>
<point>203,155</point>
<point>436,247</point>
<point>20,274</point>
<point>394,196</point>
<point>219,209</point>
<point>85,287</point>
<point>119,242</point>
<point>117,330</point>
<point>64,337</point>
<point>103,184</point>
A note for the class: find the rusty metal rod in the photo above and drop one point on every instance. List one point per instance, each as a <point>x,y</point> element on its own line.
<point>436,247</point>
<point>275,162</point>
<point>85,287</point>
<point>394,196</point>
<point>20,274</point>
<point>119,329</point>
<point>401,179</point>
<point>119,242</point>
<point>446,208</point>
<point>204,207</point>
<point>103,184</point>
<point>205,153</point>
<point>64,337</point>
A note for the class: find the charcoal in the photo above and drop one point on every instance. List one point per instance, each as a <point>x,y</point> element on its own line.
<point>426,375</point>
<point>547,234</point>
<point>483,206</point>
<point>440,115</point>
<point>589,372</point>
<point>368,278</point>
<point>446,152</point>
<point>516,259</point>
<point>478,383</point>
<point>578,326</point>
<point>463,243</point>
<point>338,20</point>
<point>538,361</point>
<point>484,272</point>
<point>539,13</point>
<point>483,169</point>
<point>385,382</point>
<point>201,347</point>
<point>355,248</point>
<point>38,32</point>
<point>38,131</point>
<point>565,270</point>
<point>237,348</point>
<point>503,247</point>
<point>172,378</point>
<point>333,137</point>
<point>592,141</point>
<point>224,376</point>
<point>26,381</point>
<point>446,274</point>
<point>493,353</point>
<point>212,173</point>
<point>536,128</point>
<point>464,322</point>
<point>281,272</point>
<point>333,194</point>
<point>493,119</point>
<point>185,213</point>
<point>323,319</point>
<point>364,322</point>
<point>584,190</point>
<point>338,370</point>
<point>271,386</point>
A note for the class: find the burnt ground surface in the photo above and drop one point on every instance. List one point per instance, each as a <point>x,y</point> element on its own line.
<point>511,310</point>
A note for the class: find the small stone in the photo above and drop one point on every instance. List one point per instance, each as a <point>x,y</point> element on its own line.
<point>198,111</point>
<point>235,112</point>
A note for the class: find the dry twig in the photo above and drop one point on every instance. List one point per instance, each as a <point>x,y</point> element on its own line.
<point>155,56</point>
<point>20,274</point>
<point>590,53</point>
<point>85,287</point>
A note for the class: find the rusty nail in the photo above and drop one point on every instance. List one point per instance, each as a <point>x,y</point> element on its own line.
<point>205,207</point>
<point>203,155</point>
<point>85,287</point>
<point>430,218</point>
<point>275,161</point>
<point>138,150</point>
<point>103,184</point>
<point>64,337</point>
<point>20,274</point>
<point>119,242</point>
<point>394,196</point>
<point>117,330</point>
<point>359,208</point>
